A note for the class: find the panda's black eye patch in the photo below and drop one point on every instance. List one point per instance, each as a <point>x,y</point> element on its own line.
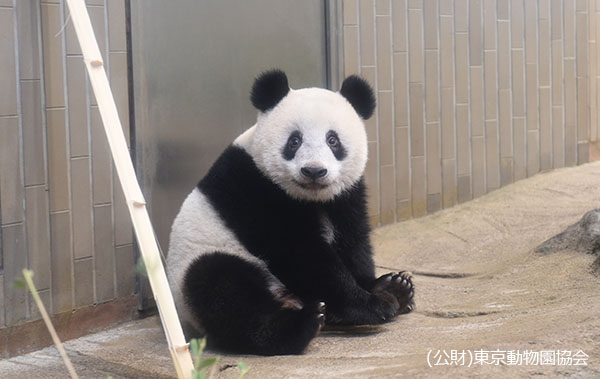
<point>334,143</point>
<point>292,145</point>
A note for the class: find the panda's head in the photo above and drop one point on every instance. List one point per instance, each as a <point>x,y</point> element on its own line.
<point>311,142</point>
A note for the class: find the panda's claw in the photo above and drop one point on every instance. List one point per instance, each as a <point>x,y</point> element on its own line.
<point>321,307</point>
<point>408,307</point>
<point>321,320</point>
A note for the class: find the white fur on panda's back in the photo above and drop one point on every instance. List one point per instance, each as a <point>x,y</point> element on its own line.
<point>198,229</point>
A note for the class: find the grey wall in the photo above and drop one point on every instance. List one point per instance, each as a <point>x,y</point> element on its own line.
<point>62,212</point>
<point>194,65</point>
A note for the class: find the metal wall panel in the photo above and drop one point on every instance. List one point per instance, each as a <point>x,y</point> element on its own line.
<point>194,65</point>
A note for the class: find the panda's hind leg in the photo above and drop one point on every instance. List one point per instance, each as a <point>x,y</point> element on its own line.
<point>232,300</point>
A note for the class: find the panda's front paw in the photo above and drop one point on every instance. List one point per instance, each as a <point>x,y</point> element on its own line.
<point>400,286</point>
<point>384,306</point>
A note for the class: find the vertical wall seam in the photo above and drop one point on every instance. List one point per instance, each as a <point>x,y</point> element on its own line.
<point>16,46</point>
<point>440,87</point>
<point>469,102</point>
<point>408,107</point>
<point>564,89</point>
<point>537,82</point>
<point>393,109</point>
<point>68,151</point>
<point>454,119</point>
<point>376,84</point>
<point>591,132</point>
<point>510,94</point>
<point>112,208</point>
<point>88,110</point>
<point>358,19</point>
<point>88,95</point>
<point>564,4</point>
<point>497,107</point>
<point>484,105</point>
<point>497,91</point>
<point>45,146</point>
<point>594,14</point>
<point>424,107</point>
<point>524,63</point>
<point>550,80</point>
<point>439,110</point>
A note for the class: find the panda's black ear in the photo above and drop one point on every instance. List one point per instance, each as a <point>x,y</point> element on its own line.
<point>268,89</point>
<point>359,93</point>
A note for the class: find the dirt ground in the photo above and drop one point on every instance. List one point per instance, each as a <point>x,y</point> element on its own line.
<point>480,288</point>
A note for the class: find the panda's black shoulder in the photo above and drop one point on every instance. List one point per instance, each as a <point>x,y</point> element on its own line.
<point>233,167</point>
<point>235,179</point>
<point>233,161</point>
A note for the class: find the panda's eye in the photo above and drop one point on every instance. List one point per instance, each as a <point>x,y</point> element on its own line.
<point>292,145</point>
<point>336,146</point>
<point>294,142</point>
<point>332,141</point>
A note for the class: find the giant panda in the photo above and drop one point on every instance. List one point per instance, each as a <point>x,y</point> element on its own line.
<point>274,241</point>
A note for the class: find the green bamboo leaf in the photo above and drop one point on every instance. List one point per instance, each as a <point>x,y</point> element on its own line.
<point>207,363</point>
<point>215,364</point>
<point>202,345</point>
<point>243,369</point>
<point>194,348</point>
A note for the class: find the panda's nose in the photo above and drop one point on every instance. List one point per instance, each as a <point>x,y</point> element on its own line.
<point>313,172</point>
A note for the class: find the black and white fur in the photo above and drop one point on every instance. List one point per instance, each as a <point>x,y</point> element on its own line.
<point>278,227</point>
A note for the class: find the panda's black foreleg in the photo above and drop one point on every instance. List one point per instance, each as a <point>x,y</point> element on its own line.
<point>233,302</point>
<point>320,273</point>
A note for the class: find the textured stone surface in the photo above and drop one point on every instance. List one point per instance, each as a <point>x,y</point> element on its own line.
<point>582,236</point>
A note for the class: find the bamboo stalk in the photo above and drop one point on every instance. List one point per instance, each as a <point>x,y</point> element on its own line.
<point>28,276</point>
<point>133,194</point>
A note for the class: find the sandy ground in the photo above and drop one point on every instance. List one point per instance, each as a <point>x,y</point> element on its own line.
<point>480,288</point>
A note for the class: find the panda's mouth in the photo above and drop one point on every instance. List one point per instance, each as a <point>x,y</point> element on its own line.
<point>313,186</point>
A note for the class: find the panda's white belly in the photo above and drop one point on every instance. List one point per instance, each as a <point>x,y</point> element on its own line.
<point>198,230</point>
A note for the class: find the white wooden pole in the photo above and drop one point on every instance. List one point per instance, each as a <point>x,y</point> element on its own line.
<point>133,195</point>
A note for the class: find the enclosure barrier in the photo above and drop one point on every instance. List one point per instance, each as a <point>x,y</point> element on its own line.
<point>133,194</point>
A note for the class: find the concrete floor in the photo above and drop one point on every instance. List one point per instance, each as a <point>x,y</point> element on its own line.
<point>480,288</point>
